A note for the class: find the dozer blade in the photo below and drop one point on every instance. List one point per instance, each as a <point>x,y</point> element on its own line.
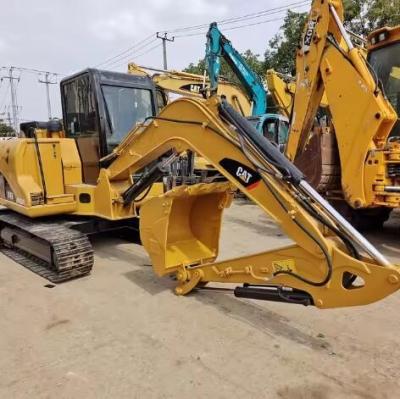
<point>49,249</point>
<point>182,227</point>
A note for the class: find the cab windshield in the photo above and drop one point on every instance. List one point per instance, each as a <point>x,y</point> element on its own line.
<point>386,63</point>
<point>126,106</point>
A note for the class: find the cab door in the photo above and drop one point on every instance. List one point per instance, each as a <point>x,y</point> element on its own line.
<point>82,123</point>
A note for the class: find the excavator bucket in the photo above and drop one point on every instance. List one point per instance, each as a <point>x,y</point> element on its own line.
<point>320,161</point>
<point>182,227</point>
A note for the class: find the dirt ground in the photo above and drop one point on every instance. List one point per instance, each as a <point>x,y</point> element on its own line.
<point>122,333</point>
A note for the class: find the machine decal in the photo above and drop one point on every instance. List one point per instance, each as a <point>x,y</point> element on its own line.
<point>246,176</point>
<point>309,34</point>
<point>287,265</point>
<point>192,88</point>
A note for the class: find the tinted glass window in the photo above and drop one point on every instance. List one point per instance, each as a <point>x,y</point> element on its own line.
<point>161,101</point>
<point>386,63</point>
<point>81,117</point>
<point>283,132</point>
<point>269,129</point>
<point>126,106</point>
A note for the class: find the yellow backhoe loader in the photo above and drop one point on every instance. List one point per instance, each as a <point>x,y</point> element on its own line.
<point>355,161</point>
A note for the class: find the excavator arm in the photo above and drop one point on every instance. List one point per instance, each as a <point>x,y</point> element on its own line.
<point>190,84</point>
<point>219,46</point>
<point>282,89</point>
<point>329,265</point>
<point>361,115</point>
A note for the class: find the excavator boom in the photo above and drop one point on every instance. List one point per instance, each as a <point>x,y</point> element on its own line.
<point>190,84</point>
<point>319,269</point>
<point>219,46</point>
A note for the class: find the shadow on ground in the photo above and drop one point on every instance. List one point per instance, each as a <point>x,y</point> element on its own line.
<point>265,320</point>
<point>146,279</point>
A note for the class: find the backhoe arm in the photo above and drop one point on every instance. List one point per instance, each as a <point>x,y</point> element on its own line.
<point>219,46</point>
<point>180,228</point>
<point>282,89</point>
<point>361,115</point>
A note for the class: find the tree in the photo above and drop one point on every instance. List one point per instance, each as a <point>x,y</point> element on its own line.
<point>360,16</point>
<point>281,52</point>
<point>364,16</point>
<point>6,130</point>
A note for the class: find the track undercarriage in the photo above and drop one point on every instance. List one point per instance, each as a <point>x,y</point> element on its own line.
<point>56,249</point>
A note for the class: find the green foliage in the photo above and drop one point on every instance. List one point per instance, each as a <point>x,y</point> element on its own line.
<point>361,17</point>
<point>197,69</point>
<point>6,130</point>
<point>364,16</point>
<point>281,52</point>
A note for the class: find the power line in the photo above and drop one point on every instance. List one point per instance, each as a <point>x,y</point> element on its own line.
<point>31,70</point>
<point>233,20</point>
<point>234,27</point>
<point>126,54</point>
<point>148,51</point>
<point>129,54</point>
<point>140,55</point>
<point>263,13</point>
<point>130,49</point>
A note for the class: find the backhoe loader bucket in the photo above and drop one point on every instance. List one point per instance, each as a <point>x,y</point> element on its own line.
<point>182,226</point>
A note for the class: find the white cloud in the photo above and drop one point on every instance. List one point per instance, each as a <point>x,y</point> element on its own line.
<point>155,15</point>
<point>3,45</point>
<point>82,33</point>
<point>120,26</point>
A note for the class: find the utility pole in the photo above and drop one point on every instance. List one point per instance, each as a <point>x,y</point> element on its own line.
<point>46,80</point>
<point>165,39</point>
<point>14,105</point>
<point>6,117</point>
<point>9,118</point>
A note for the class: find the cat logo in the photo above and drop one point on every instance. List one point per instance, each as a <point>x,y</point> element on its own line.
<point>308,36</point>
<point>192,88</point>
<point>246,176</point>
<point>243,174</point>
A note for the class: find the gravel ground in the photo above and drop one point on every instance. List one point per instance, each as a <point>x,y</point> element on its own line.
<point>122,333</point>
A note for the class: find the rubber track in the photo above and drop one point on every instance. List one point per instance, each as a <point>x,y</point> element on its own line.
<point>72,250</point>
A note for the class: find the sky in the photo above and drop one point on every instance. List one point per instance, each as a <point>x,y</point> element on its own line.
<point>66,36</point>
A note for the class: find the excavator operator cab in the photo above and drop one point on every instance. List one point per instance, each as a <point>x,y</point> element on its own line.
<point>273,127</point>
<point>384,57</point>
<point>99,110</point>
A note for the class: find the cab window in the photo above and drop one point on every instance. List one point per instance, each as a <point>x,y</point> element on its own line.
<point>80,108</point>
<point>125,107</point>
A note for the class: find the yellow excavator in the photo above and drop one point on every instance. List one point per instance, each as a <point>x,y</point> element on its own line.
<point>329,265</point>
<point>189,84</point>
<point>355,161</point>
<point>282,89</point>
